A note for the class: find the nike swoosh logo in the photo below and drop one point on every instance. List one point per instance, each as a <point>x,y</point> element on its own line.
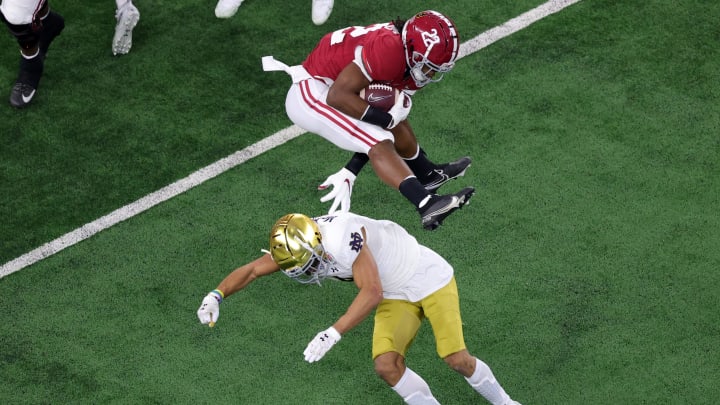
<point>443,178</point>
<point>26,99</point>
<point>450,207</point>
<point>372,98</point>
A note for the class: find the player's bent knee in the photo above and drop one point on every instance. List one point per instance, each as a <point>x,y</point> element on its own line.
<point>462,362</point>
<point>26,37</point>
<point>390,367</point>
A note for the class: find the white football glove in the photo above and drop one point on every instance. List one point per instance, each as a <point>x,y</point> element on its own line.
<point>209,310</point>
<point>400,110</point>
<point>322,343</point>
<point>342,184</point>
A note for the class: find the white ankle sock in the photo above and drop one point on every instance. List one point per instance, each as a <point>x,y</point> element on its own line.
<point>414,390</point>
<point>484,382</point>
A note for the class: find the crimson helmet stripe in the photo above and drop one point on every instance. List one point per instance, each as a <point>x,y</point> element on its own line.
<point>335,116</point>
<point>452,35</point>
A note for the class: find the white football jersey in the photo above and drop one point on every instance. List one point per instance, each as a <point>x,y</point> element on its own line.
<point>407,269</point>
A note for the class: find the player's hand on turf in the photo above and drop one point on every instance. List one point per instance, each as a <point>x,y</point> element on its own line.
<point>342,184</point>
<point>400,110</point>
<point>209,310</point>
<point>321,344</point>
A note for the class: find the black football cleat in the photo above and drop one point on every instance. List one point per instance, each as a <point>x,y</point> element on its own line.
<point>447,172</point>
<point>441,206</point>
<point>21,95</point>
<point>26,84</point>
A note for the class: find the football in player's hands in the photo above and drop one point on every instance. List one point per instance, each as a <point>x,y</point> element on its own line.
<point>380,96</point>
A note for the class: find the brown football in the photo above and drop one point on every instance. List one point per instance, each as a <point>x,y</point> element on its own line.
<point>380,96</point>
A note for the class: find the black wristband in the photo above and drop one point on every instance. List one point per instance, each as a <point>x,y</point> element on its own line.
<point>377,117</point>
<point>357,162</point>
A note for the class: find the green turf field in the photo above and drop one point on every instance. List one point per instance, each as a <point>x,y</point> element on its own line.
<point>587,261</point>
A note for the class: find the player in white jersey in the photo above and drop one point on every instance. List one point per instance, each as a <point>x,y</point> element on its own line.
<point>34,26</point>
<point>402,281</point>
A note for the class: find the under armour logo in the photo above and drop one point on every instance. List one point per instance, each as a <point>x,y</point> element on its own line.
<point>357,242</point>
<point>430,38</point>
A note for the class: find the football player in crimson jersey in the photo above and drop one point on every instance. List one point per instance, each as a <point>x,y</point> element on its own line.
<point>34,27</point>
<point>402,281</point>
<point>324,99</point>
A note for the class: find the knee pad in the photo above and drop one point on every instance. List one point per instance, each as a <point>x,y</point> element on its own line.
<point>27,35</point>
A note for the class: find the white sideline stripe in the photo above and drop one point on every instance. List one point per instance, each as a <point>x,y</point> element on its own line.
<point>513,25</point>
<point>151,200</point>
<point>86,231</point>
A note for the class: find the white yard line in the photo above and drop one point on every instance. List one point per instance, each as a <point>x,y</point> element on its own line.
<point>237,158</point>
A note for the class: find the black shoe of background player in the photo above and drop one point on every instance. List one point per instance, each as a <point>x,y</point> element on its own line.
<point>439,207</point>
<point>21,95</point>
<point>31,70</point>
<point>27,82</point>
<point>445,173</point>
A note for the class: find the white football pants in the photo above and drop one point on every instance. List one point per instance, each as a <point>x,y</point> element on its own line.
<point>307,107</point>
<point>19,12</point>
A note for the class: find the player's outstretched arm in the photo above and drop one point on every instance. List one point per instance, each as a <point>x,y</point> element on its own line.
<point>209,310</point>
<point>244,275</point>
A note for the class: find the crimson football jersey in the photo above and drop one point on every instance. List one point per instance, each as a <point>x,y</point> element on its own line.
<point>383,54</point>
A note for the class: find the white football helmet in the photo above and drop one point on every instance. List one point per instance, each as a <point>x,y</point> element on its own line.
<point>296,246</point>
<point>431,46</point>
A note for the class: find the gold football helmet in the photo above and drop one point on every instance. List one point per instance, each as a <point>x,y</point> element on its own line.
<point>296,246</point>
